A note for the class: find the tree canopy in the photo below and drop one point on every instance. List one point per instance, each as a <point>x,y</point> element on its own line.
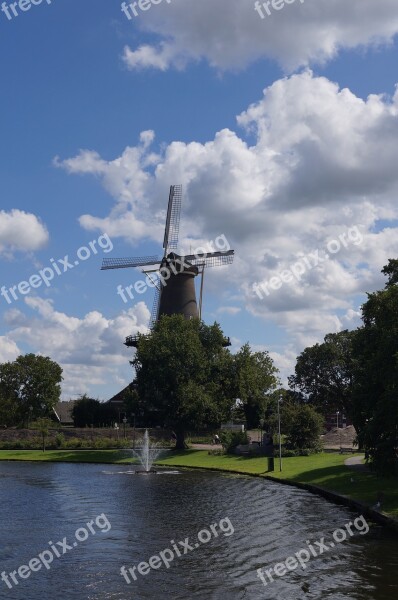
<point>88,412</point>
<point>29,388</point>
<point>376,386</point>
<point>324,373</point>
<point>255,378</point>
<point>184,375</point>
<point>357,372</point>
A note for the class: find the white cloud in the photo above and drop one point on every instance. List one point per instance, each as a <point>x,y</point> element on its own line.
<point>21,231</point>
<point>322,165</point>
<point>9,351</point>
<point>229,34</point>
<point>90,349</point>
<point>229,310</point>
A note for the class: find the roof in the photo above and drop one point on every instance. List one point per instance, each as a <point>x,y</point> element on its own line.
<point>63,411</point>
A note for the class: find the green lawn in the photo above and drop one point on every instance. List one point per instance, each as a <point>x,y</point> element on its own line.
<point>326,470</point>
<point>83,456</point>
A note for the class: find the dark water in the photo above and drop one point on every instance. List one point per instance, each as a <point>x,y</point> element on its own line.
<point>42,503</point>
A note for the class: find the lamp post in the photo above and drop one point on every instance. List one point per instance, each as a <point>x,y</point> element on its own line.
<point>133,415</point>
<point>279,432</point>
<point>124,426</point>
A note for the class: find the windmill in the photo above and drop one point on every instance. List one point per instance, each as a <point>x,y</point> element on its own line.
<point>174,294</point>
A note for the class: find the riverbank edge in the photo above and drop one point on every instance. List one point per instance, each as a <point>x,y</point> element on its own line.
<point>334,497</point>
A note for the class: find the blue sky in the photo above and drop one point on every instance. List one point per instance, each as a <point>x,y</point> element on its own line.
<point>279,174</point>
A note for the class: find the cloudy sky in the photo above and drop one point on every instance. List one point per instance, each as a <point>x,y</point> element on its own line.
<point>282,129</point>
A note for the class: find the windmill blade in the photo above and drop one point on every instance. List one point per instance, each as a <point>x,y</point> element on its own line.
<point>211,259</point>
<point>173,219</point>
<point>155,308</point>
<point>126,263</point>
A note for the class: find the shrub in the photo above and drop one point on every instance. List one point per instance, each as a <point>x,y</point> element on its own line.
<point>231,439</point>
<point>73,443</point>
<point>59,440</point>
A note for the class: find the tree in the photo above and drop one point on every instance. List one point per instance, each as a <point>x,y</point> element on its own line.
<point>43,426</point>
<point>7,409</point>
<point>325,372</point>
<point>87,411</point>
<point>391,270</point>
<point>376,381</point>
<point>32,385</point>
<point>255,379</point>
<point>302,425</point>
<point>183,375</point>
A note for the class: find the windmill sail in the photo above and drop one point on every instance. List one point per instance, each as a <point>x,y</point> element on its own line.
<point>127,263</point>
<point>155,308</point>
<point>210,259</point>
<point>172,228</point>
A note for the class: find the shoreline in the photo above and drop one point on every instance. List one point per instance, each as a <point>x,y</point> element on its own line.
<point>332,496</point>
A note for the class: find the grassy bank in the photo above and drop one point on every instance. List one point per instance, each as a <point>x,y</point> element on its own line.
<point>76,456</point>
<point>325,470</point>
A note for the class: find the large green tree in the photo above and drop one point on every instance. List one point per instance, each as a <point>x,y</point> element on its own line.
<point>302,425</point>
<point>325,373</point>
<point>376,385</point>
<point>184,375</point>
<point>31,384</point>
<point>255,378</point>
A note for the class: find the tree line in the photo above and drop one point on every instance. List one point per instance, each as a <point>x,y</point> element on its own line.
<point>187,381</point>
<point>356,372</point>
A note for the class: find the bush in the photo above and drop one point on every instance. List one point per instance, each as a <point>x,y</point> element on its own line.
<point>302,426</point>
<point>231,439</point>
<point>59,440</point>
<point>73,443</point>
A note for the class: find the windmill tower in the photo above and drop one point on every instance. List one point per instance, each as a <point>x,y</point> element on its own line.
<point>175,287</point>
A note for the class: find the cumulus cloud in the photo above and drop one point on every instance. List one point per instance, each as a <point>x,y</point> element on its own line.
<point>21,231</point>
<point>89,349</point>
<point>9,350</point>
<point>126,179</point>
<point>321,167</point>
<point>230,34</point>
<point>229,310</point>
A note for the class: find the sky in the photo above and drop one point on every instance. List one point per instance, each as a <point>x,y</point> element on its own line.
<point>279,120</point>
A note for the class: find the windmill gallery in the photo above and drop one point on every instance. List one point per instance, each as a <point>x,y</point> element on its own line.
<point>178,272</point>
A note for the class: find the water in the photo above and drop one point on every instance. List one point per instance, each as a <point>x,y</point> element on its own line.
<point>147,453</point>
<point>48,502</point>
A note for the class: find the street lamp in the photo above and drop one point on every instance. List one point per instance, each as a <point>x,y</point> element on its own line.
<point>338,430</point>
<point>261,430</point>
<point>133,415</point>
<point>124,426</point>
<point>279,431</point>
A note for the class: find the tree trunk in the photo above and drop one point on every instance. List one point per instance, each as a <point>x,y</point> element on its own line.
<point>180,441</point>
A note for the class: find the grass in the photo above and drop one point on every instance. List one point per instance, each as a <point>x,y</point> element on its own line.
<point>326,470</point>
<point>78,456</point>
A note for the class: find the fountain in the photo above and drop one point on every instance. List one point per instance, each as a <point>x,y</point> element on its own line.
<point>147,454</point>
